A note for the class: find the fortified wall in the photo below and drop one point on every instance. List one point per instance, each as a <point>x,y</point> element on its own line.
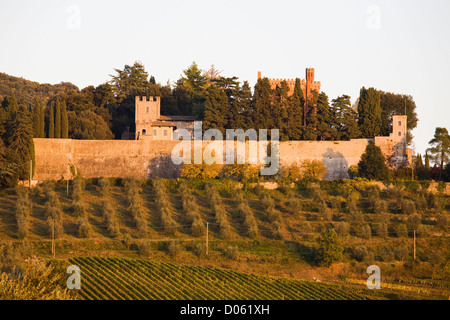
<point>151,158</point>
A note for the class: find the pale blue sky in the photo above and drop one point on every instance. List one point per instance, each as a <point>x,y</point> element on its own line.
<point>397,46</point>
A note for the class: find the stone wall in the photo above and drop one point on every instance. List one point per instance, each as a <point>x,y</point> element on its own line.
<point>151,158</point>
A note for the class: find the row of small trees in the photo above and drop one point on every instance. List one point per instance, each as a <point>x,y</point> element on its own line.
<point>191,211</point>
<point>168,223</point>
<point>220,214</point>
<point>136,207</point>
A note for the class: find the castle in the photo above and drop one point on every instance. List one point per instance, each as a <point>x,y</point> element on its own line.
<point>308,85</point>
<point>151,157</point>
<point>151,125</point>
<point>148,154</point>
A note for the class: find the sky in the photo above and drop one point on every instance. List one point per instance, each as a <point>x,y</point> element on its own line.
<point>396,46</point>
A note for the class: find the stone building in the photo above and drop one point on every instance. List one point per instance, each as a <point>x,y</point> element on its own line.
<point>308,84</point>
<point>151,125</point>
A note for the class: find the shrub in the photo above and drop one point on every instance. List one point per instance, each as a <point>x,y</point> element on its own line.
<point>78,188</point>
<point>336,202</point>
<point>54,215</point>
<point>200,249</point>
<point>200,171</point>
<point>421,203</point>
<point>232,253</point>
<point>422,231</point>
<point>400,230</point>
<point>305,227</point>
<point>145,248</point>
<point>266,201</point>
<point>383,218</point>
<point>222,220</point>
<point>79,209</point>
<point>273,215</point>
<point>326,213</point>
<point>127,240</point>
<point>382,230</point>
<point>84,227</point>
<point>356,218</point>
<point>313,169</point>
<point>380,206</point>
<point>315,193</point>
<point>364,231</point>
<point>387,254</point>
<point>361,254</point>
<point>23,212</point>
<point>105,186</point>
<point>442,221</point>
<point>330,249</point>
<point>401,252</point>
<point>173,248</point>
<point>373,194</point>
<point>111,220</point>
<point>352,206</point>
<point>413,222</point>
<point>294,204</point>
<point>198,228</point>
<point>408,207</point>
<point>276,230</point>
<point>168,223</point>
<point>343,229</point>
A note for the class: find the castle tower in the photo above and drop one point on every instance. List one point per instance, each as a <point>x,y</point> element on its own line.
<point>399,127</point>
<point>147,111</point>
<point>309,82</point>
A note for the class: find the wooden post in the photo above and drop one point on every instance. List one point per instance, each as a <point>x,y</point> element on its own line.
<point>31,171</point>
<point>207,229</point>
<point>414,244</point>
<point>53,238</point>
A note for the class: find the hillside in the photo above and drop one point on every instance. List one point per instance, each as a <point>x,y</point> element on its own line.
<point>26,90</point>
<point>288,250</point>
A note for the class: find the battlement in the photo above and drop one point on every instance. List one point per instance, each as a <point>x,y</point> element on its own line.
<point>144,99</point>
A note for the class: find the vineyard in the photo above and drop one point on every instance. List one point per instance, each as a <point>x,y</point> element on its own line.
<point>136,279</point>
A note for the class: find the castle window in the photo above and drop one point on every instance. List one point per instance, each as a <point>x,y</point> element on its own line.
<point>399,133</point>
<point>155,132</point>
<point>144,131</point>
<point>148,109</point>
<point>165,133</point>
<point>399,123</point>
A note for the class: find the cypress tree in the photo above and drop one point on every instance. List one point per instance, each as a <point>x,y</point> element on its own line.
<point>373,163</point>
<point>41,120</point>
<point>51,122</point>
<point>36,119</point>
<point>296,112</point>
<point>21,141</point>
<point>369,110</point>
<point>64,122</point>
<point>236,110</point>
<point>326,126</point>
<point>58,119</point>
<point>262,117</point>
<point>216,108</point>
<point>279,109</point>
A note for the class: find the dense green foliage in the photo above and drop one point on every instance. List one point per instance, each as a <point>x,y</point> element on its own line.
<point>373,163</point>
